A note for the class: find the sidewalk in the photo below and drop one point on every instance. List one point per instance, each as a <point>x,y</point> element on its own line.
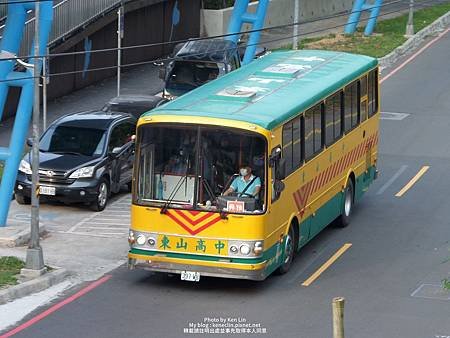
<point>74,238</point>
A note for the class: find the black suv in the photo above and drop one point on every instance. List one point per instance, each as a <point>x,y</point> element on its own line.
<point>84,157</point>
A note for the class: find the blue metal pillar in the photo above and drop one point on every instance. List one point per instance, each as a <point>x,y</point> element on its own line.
<point>9,47</point>
<point>239,17</point>
<point>354,18</point>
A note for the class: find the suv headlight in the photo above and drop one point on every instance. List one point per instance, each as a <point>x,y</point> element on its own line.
<point>25,167</point>
<point>83,172</point>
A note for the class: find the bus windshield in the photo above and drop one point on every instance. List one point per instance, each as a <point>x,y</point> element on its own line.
<point>191,167</point>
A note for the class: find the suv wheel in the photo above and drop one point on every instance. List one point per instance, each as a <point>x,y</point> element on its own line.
<point>102,196</point>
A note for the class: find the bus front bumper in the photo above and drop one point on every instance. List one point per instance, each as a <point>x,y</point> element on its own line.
<point>253,272</point>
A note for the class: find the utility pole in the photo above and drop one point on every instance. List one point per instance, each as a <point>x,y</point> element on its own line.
<point>410,25</point>
<point>295,33</point>
<point>35,260</point>
<point>45,82</point>
<point>120,31</point>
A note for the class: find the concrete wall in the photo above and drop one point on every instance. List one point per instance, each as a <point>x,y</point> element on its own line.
<point>215,22</point>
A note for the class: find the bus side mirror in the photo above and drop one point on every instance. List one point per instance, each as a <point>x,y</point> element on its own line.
<point>278,187</point>
<point>280,169</point>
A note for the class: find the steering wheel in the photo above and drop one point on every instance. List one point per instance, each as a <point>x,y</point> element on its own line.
<point>246,194</point>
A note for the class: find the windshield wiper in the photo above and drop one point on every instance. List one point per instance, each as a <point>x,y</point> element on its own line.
<point>175,189</point>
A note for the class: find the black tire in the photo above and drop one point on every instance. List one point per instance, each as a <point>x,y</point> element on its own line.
<point>21,199</point>
<point>289,248</point>
<point>102,196</point>
<point>347,207</point>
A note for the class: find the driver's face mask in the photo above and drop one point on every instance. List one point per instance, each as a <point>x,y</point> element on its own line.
<point>243,172</point>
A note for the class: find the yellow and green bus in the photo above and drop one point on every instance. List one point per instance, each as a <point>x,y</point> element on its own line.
<point>305,123</point>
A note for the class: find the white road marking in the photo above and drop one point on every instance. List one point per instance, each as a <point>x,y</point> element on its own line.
<point>91,234</point>
<point>392,179</point>
<point>393,116</point>
<point>103,223</point>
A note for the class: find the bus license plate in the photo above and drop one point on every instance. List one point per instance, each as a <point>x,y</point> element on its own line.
<point>190,276</point>
<point>51,191</point>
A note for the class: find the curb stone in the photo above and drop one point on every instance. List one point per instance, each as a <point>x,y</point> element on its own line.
<point>19,238</point>
<point>413,42</point>
<point>33,286</point>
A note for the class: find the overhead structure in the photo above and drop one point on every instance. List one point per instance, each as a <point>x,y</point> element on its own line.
<point>371,6</point>
<point>11,77</point>
<point>240,17</point>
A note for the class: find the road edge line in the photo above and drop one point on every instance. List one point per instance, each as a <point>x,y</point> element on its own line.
<point>56,307</point>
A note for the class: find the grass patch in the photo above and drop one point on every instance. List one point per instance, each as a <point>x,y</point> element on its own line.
<point>389,34</point>
<point>446,284</point>
<point>9,268</point>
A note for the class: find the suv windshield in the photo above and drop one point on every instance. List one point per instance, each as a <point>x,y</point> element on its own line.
<point>193,167</point>
<point>188,75</point>
<point>73,140</point>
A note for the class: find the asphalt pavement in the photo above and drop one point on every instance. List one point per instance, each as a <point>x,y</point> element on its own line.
<point>390,277</point>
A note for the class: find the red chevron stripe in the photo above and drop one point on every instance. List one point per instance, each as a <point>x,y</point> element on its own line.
<point>330,171</point>
<point>296,200</point>
<point>355,152</point>
<point>361,150</point>
<point>308,191</point>
<point>315,184</point>
<point>194,222</point>
<point>341,163</point>
<point>194,212</point>
<point>192,231</point>
<point>322,179</point>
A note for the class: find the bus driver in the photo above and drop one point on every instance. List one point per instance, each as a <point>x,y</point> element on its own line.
<point>246,185</point>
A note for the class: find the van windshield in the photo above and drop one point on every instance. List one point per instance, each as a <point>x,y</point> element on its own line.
<point>192,167</point>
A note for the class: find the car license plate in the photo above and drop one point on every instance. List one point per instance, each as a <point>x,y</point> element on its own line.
<point>190,276</point>
<point>51,191</point>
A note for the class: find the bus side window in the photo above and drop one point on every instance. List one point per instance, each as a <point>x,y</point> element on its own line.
<point>337,111</point>
<point>363,98</point>
<point>292,145</point>
<point>351,119</point>
<point>373,92</point>
<point>287,147</point>
<point>333,118</point>
<point>297,157</point>
<point>308,125</point>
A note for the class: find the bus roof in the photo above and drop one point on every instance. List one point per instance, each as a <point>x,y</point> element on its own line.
<point>272,89</point>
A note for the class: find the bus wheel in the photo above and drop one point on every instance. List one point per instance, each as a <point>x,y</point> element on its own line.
<point>289,250</point>
<point>347,208</point>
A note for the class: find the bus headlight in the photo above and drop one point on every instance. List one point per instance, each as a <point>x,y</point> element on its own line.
<point>244,249</point>
<point>131,239</point>
<point>258,248</point>
<point>151,241</point>
<point>234,249</point>
<point>140,240</point>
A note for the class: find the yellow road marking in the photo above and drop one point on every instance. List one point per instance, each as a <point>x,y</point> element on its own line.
<point>413,181</point>
<point>327,264</point>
